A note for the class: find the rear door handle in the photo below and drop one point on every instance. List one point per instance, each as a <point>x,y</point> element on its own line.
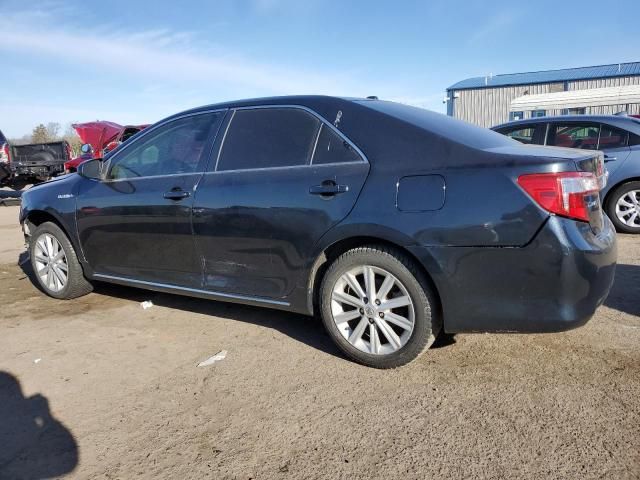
<point>328,188</point>
<point>176,194</point>
<point>607,158</point>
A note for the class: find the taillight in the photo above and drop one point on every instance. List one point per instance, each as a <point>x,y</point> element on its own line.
<point>566,193</point>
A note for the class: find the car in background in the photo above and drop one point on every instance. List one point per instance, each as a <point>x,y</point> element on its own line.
<point>21,165</point>
<point>100,138</point>
<point>618,136</point>
<point>391,222</point>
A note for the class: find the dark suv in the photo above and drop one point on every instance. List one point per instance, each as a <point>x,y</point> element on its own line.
<point>617,136</point>
<point>392,222</point>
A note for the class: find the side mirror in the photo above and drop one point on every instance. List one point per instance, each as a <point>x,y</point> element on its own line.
<point>91,169</point>
<point>86,148</point>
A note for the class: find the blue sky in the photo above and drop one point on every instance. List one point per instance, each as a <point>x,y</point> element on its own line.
<point>138,61</point>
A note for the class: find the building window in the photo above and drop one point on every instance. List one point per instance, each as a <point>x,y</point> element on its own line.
<point>516,116</point>
<point>576,111</point>
<point>538,113</point>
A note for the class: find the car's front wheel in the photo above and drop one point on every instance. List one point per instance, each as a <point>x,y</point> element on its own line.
<point>55,263</point>
<point>378,307</point>
<point>623,207</point>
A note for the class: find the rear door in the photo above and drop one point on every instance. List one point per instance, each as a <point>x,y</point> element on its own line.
<point>283,177</point>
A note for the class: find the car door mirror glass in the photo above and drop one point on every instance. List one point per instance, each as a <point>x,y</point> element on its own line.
<point>91,169</point>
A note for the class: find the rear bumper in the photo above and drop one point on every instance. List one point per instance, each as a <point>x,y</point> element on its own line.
<point>554,283</point>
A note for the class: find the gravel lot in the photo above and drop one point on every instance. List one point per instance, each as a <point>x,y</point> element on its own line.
<point>99,387</point>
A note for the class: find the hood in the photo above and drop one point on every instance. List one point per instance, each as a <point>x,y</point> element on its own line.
<point>97,134</point>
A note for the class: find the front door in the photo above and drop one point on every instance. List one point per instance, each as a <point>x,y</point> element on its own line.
<point>136,223</point>
<point>282,179</point>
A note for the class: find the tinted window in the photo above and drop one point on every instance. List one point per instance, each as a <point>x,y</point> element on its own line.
<point>584,136</point>
<point>612,137</point>
<point>521,134</point>
<point>332,148</point>
<point>634,139</point>
<point>268,137</point>
<point>177,147</point>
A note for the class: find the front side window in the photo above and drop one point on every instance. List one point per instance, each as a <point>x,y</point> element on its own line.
<point>538,113</point>
<point>174,148</point>
<point>584,136</point>
<point>332,148</point>
<point>267,138</point>
<point>521,134</point>
<point>612,138</point>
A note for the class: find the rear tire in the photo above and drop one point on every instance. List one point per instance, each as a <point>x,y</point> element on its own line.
<point>393,327</point>
<point>621,208</point>
<point>55,264</point>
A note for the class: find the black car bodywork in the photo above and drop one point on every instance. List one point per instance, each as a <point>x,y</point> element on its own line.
<point>443,191</point>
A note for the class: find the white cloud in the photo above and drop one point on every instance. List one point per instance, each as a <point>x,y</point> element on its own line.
<point>162,55</point>
<point>164,71</point>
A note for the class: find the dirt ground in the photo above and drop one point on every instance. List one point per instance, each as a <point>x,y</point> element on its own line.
<point>99,387</point>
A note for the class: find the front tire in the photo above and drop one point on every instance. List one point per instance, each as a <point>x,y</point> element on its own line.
<point>623,207</point>
<point>55,264</point>
<point>378,308</point>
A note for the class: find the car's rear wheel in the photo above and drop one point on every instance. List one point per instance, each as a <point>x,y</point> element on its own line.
<point>55,263</point>
<point>378,307</point>
<point>623,207</point>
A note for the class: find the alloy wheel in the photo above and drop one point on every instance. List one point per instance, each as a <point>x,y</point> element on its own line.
<point>51,262</point>
<point>372,310</point>
<point>628,208</point>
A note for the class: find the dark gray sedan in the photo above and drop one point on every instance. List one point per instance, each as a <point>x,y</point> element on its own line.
<point>390,222</point>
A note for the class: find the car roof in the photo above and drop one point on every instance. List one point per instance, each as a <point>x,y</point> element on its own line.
<point>353,107</point>
<point>624,122</point>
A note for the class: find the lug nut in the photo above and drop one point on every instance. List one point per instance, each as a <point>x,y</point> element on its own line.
<point>371,320</point>
<point>381,314</point>
<point>377,302</point>
<point>366,300</point>
<point>362,311</point>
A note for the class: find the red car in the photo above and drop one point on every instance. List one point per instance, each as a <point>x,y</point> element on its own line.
<point>102,137</point>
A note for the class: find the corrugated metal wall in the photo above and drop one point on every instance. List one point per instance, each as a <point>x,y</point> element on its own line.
<point>490,106</point>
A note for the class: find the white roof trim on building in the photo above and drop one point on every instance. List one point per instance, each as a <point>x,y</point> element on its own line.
<point>578,98</point>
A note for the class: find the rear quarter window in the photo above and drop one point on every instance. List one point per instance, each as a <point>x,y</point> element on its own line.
<point>523,134</point>
<point>332,148</point>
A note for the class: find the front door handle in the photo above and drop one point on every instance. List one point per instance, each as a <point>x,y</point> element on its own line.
<point>176,194</point>
<point>328,188</point>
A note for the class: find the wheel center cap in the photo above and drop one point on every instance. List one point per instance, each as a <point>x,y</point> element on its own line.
<point>369,311</point>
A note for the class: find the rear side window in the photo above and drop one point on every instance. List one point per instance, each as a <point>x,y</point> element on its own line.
<point>332,148</point>
<point>577,135</point>
<point>612,137</point>
<point>268,137</point>
<point>521,134</point>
